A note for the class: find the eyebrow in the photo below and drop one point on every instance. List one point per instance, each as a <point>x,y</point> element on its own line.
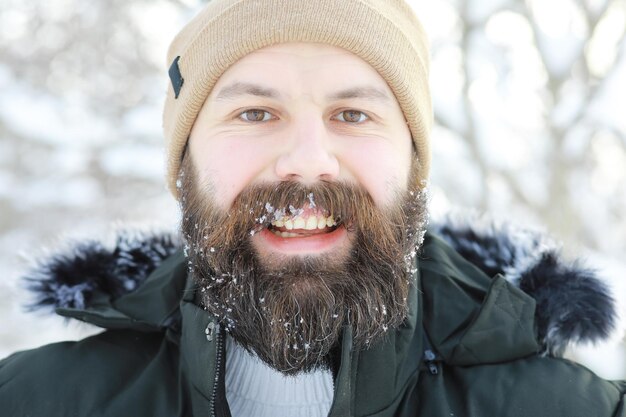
<point>365,93</point>
<point>239,89</point>
<point>243,89</point>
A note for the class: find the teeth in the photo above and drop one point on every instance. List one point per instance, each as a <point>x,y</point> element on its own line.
<point>330,221</point>
<point>299,223</point>
<point>284,234</point>
<point>311,223</point>
<point>308,223</point>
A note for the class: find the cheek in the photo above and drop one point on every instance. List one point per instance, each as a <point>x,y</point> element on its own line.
<point>229,166</point>
<point>380,167</point>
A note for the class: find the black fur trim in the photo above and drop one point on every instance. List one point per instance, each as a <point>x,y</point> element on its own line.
<point>69,279</point>
<point>573,304</point>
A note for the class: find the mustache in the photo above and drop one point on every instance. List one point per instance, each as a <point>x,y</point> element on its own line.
<point>259,204</point>
<point>267,201</point>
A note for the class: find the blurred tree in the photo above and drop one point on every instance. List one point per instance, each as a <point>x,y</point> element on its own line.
<point>529,92</point>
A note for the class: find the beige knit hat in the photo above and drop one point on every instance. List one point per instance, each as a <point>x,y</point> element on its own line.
<point>384,33</point>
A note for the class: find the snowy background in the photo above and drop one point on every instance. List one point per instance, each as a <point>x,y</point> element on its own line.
<point>529,101</point>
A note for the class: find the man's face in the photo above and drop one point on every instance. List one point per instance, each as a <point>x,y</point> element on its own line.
<point>299,202</point>
<point>301,112</point>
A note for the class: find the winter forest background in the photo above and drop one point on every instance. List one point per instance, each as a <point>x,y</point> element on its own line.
<point>531,128</point>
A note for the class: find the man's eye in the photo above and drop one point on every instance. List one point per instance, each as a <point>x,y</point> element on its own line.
<point>352,116</point>
<point>255,115</point>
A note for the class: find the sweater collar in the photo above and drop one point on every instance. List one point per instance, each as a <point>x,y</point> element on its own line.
<point>255,388</point>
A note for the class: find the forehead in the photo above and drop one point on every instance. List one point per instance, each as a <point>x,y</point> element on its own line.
<point>297,69</point>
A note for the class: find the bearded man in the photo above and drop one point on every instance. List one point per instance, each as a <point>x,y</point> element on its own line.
<point>298,149</point>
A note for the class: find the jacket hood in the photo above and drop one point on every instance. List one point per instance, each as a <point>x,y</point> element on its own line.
<point>119,285</point>
<point>573,304</point>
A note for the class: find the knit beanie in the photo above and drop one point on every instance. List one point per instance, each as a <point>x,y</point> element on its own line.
<point>384,33</point>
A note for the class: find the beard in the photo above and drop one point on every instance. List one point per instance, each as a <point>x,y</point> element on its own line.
<point>290,311</point>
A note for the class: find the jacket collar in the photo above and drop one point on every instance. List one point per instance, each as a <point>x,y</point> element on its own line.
<point>469,317</point>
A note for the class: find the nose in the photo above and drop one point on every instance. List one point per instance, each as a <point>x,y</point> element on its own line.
<point>308,156</point>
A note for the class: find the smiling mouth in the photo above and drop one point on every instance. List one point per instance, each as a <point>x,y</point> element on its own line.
<point>304,231</point>
<point>305,225</point>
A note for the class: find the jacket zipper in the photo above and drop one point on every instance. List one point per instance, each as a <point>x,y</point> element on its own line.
<point>213,332</point>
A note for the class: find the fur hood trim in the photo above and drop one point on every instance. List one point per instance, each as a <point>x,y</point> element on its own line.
<point>69,278</point>
<point>573,304</point>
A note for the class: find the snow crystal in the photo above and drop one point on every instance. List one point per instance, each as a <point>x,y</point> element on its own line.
<point>279,214</point>
<point>294,211</point>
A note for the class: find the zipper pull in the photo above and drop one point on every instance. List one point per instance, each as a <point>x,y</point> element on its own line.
<point>210,331</point>
<point>429,360</point>
<point>430,357</point>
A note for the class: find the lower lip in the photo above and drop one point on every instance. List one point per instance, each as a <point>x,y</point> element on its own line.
<point>307,244</point>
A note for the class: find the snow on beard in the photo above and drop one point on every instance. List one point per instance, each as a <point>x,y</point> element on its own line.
<point>291,313</point>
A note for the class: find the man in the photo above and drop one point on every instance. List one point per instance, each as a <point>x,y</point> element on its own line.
<point>307,286</point>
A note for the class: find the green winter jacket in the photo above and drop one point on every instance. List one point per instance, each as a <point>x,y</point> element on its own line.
<point>470,347</point>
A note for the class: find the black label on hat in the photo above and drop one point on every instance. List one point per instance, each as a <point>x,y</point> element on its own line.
<point>176,77</point>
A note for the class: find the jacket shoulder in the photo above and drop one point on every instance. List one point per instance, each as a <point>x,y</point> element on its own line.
<point>561,387</point>
<point>531,386</point>
<point>536,386</point>
<point>109,374</point>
